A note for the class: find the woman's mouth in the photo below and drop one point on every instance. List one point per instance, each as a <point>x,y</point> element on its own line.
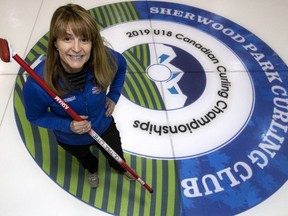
<point>76,57</point>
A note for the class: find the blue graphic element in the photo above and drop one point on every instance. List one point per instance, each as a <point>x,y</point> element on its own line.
<point>173,90</point>
<point>193,80</point>
<point>216,182</point>
<point>174,75</point>
<point>163,57</point>
<point>187,80</point>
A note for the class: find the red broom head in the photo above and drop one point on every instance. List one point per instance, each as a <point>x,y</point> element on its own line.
<point>4,50</point>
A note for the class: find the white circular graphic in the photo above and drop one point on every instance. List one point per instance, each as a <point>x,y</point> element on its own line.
<point>158,73</point>
<point>194,129</point>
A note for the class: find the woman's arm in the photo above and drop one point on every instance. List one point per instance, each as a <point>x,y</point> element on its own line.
<point>119,79</point>
<point>36,104</point>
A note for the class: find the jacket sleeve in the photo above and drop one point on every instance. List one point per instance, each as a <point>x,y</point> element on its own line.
<point>36,104</point>
<point>119,79</point>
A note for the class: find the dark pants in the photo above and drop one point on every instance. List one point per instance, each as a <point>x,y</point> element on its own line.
<point>90,161</point>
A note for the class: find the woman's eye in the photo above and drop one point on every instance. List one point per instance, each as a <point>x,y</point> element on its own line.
<point>67,39</point>
<point>84,40</point>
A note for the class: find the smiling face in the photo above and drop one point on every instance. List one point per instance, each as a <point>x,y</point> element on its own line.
<point>74,51</point>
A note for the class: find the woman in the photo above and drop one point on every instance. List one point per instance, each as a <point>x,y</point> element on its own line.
<point>79,68</point>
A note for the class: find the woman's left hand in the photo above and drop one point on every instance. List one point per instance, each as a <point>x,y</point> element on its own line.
<point>110,106</point>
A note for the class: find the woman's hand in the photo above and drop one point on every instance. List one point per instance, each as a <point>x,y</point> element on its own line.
<point>80,127</point>
<point>110,106</point>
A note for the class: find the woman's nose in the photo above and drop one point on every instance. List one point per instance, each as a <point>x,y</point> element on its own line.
<point>76,46</point>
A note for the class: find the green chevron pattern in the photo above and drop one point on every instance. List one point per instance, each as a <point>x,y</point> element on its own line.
<point>138,87</point>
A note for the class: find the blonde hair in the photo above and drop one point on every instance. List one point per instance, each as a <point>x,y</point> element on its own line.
<point>82,25</point>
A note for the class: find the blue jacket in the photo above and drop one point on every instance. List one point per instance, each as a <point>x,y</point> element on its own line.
<point>43,111</point>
